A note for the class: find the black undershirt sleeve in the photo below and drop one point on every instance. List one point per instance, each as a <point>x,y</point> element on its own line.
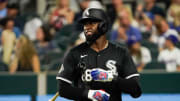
<point>66,90</point>
<point>130,86</point>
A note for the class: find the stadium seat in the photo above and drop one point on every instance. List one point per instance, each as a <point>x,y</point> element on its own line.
<point>146,35</point>
<point>62,42</point>
<point>155,65</point>
<point>178,45</point>
<point>152,47</point>
<point>55,65</point>
<point>3,66</point>
<point>49,59</point>
<point>149,44</point>
<point>154,54</point>
<point>65,31</point>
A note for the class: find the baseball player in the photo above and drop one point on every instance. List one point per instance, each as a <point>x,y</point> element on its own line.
<point>97,70</point>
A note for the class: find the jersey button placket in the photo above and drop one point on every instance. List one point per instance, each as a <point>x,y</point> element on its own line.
<point>98,59</point>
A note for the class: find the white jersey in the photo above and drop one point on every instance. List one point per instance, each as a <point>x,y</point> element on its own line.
<point>146,57</point>
<point>160,40</point>
<point>171,58</point>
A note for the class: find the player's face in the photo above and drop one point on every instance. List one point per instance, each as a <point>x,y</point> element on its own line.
<point>90,28</point>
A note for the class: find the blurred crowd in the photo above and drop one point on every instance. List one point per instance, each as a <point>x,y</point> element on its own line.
<point>34,43</point>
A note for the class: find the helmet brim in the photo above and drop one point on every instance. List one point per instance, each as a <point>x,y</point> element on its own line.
<point>89,19</point>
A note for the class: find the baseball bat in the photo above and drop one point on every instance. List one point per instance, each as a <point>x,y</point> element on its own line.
<point>54,97</point>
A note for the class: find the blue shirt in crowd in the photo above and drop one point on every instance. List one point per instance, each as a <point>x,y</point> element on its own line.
<point>177,28</point>
<point>132,32</point>
<point>3,13</point>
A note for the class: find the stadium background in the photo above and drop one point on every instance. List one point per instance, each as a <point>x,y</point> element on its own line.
<point>157,84</point>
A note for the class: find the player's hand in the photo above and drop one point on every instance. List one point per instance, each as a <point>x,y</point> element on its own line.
<point>98,95</point>
<point>101,75</point>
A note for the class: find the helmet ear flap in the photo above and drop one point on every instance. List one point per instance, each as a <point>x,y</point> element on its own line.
<point>102,27</point>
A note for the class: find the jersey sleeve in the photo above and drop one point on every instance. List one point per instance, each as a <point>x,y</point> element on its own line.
<point>129,69</point>
<point>66,72</point>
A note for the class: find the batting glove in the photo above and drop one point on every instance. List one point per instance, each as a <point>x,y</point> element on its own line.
<point>101,75</point>
<point>98,95</point>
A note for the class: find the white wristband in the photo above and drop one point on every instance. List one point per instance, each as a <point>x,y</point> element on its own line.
<point>90,94</point>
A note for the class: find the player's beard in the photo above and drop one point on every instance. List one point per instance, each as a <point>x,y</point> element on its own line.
<point>90,39</point>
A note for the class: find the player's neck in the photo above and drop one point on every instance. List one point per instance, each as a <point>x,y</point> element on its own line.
<point>100,44</point>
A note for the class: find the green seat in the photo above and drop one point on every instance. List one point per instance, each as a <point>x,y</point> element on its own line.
<point>178,45</point>
<point>146,35</point>
<point>55,65</point>
<point>155,65</point>
<point>49,58</point>
<point>63,42</point>
<point>152,47</point>
<point>149,44</point>
<point>3,66</point>
<point>64,31</point>
<point>154,54</point>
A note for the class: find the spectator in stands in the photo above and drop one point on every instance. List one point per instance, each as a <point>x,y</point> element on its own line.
<point>125,29</point>
<point>173,15</point>
<point>163,31</point>
<point>95,4</point>
<point>3,9</point>
<point>140,55</point>
<point>83,4</point>
<point>26,58</point>
<point>61,15</point>
<point>13,12</point>
<point>171,55</point>
<point>145,23</point>
<point>31,27</point>
<point>8,39</point>
<point>113,10</point>
<point>119,7</point>
<point>8,24</point>
<point>44,43</point>
<point>3,65</point>
<point>151,9</point>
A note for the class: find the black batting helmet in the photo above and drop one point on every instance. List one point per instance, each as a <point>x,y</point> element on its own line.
<point>96,15</point>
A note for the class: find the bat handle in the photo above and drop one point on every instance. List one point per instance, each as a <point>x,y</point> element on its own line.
<point>54,97</point>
